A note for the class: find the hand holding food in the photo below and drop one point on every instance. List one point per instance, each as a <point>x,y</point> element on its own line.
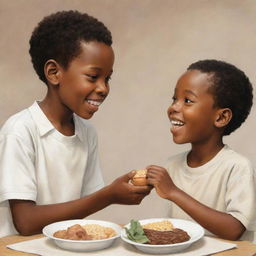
<point>161,180</point>
<point>140,178</point>
<point>122,192</point>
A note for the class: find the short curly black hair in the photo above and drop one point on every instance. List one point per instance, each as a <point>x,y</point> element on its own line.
<point>59,35</point>
<point>231,89</point>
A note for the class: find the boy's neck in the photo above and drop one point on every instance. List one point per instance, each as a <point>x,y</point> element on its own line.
<point>201,154</point>
<point>61,118</point>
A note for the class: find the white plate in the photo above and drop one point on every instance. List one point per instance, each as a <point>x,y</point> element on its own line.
<point>81,245</point>
<point>194,230</point>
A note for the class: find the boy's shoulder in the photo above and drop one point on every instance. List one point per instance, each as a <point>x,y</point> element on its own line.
<point>232,157</point>
<point>18,124</point>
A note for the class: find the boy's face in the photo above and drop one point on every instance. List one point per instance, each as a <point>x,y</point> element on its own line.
<point>84,85</point>
<point>192,112</point>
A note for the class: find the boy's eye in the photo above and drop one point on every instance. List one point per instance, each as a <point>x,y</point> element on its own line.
<point>174,98</point>
<point>188,100</point>
<point>93,77</point>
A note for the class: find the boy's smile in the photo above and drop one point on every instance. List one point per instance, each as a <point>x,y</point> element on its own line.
<point>93,104</point>
<point>192,112</point>
<point>176,124</point>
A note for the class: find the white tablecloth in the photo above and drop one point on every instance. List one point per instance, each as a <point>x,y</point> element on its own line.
<point>47,247</point>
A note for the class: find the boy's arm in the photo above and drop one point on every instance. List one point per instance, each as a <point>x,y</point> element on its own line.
<point>30,218</point>
<point>219,223</point>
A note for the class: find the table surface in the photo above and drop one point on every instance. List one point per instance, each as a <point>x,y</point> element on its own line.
<point>244,248</point>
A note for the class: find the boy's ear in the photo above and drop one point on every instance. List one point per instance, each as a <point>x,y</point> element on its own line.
<point>224,115</point>
<point>52,71</point>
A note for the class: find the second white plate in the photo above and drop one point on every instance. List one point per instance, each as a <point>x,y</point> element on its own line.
<point>194,230</point>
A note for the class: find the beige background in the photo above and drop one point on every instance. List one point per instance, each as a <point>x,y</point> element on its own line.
<point>154,42</point>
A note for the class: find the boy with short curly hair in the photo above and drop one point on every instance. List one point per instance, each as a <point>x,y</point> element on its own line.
<point>49,166</point>
<point>211,183</point>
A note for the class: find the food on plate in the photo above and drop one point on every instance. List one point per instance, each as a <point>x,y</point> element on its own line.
<point>85,232</point>
<point>164,225</point>
<point>155,233</point>
<point>75,232</point>
<point>98,232</point>
<point>166,237</point>
<point>136,232</point>
<point>140,178</point>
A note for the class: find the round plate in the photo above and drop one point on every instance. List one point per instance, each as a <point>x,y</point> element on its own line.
<point>194,230</point>
<point>81,245</point>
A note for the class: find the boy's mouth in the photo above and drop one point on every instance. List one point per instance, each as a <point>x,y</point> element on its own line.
<point>176,126</point>
<point>177,123</point>
<point>94,102</point>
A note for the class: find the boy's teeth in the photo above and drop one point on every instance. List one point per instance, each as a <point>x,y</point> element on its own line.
<point>179,123</point>
<point>93,102</point>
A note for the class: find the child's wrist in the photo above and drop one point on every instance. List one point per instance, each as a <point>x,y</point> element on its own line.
<point>108,195</point>
<point>174,194</point>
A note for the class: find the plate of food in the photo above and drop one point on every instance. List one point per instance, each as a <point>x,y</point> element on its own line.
<point>161,235</point>
<point>83,235</point>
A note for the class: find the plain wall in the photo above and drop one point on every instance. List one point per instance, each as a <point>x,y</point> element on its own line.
<point>154,42</point>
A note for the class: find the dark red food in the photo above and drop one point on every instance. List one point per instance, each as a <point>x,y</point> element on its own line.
<point>166,237</point>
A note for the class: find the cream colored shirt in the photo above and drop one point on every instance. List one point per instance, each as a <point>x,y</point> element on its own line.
<point>39,163</point>
<point>226,183</point>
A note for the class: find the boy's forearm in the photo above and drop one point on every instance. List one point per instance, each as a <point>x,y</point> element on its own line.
<point>30,218</point>
<point>219,223</point>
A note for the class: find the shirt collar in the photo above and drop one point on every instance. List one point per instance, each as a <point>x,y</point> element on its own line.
<point>42,122</point>
<point>44,125</point>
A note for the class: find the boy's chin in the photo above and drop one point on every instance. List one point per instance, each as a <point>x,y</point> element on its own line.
<point>178,141</point>
<point>87,115</point>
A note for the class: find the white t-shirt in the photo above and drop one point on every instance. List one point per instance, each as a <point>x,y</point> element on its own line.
<point>226,183</point>
<point>39,163</point>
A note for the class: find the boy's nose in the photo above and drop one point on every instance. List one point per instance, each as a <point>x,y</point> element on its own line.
<point>102,88</point>
<point>175,107</point>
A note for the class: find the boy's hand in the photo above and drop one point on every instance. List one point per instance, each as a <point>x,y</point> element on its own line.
<point>125,193</point>
<point>159,178</point>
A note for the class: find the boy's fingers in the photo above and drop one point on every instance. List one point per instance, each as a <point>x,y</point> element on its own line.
<point>154,167</point>
<point>150,181</point>
<point>126,177</point>
<point>142,189</point>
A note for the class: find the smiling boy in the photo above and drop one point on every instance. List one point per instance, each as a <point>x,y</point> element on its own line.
<point>211,183</point>
<point>49,165</point>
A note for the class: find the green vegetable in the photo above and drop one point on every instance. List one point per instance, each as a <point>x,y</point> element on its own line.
<point>136,232</point>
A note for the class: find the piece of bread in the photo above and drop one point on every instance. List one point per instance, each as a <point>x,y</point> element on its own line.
<point>139,179</point>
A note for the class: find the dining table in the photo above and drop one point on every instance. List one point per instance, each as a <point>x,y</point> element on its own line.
<point>244,248</point>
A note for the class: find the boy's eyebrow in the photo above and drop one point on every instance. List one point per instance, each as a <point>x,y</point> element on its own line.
<point>191,92</point>
<point>97,68</point>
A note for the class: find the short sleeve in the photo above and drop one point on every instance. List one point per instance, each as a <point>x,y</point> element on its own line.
<point>93,179</point>
<point>17,172</point>
<point>241,195</point>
